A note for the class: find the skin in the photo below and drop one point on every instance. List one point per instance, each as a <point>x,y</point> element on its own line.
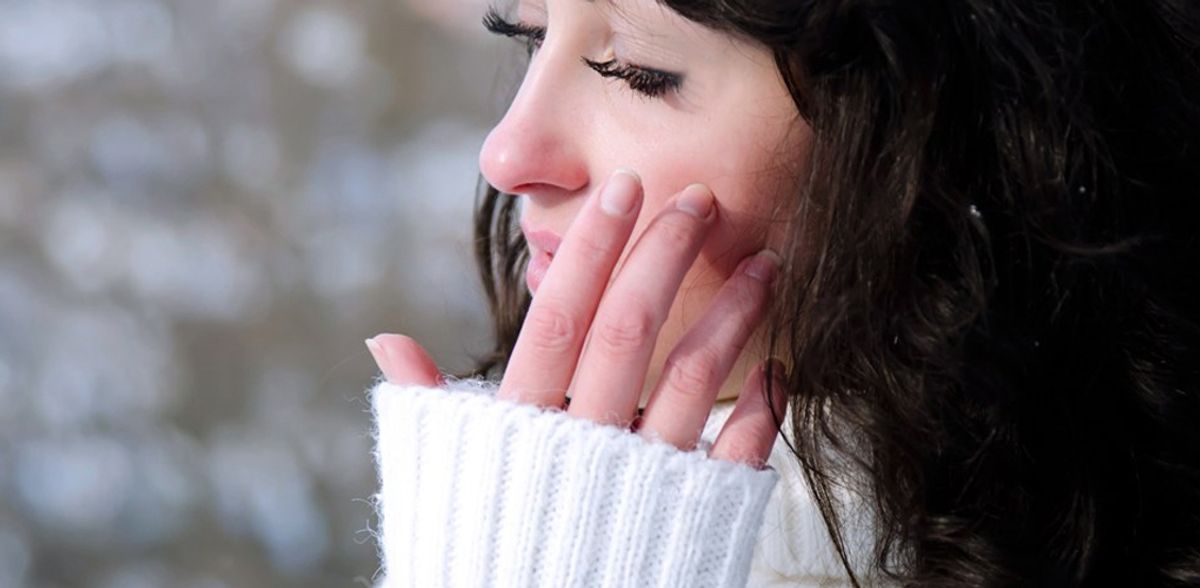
<point>664,204</point>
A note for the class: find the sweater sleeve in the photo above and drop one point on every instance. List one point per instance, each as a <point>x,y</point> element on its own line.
<point>476,491</point>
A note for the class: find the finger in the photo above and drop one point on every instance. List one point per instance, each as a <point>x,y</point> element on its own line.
<point>543,360</point>
<point>612,370</point>
<point>701,361</point>
<point>403,361</point>
<point>750,432</point>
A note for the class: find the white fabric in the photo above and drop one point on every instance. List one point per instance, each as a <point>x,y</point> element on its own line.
<point>476,491</point>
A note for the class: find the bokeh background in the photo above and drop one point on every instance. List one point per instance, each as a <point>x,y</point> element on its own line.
<point>205,207</point>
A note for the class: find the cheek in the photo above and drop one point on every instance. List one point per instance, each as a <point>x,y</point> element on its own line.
<point>748,183</point>
<point>744,162</point>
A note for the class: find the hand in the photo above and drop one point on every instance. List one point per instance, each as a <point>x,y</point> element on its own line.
<point>620,323</point>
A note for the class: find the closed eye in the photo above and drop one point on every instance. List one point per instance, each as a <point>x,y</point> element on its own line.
<point>647,81</point>
<point>531,35</point>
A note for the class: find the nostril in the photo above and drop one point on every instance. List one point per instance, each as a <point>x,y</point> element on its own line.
<point>544,191</point>
<point>530,188</point>
<point>520,190</point>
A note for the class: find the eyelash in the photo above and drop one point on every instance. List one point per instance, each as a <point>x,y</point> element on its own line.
<point>649,82</point>
<point>531,35</point>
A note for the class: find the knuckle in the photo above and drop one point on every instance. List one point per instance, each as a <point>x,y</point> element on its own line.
<point>694,375</point>
<point>742,305</point>
<point>593,247</point>
<point>552,329</point>
<point>747,444</point>
<point>746,294</point>
<point>676,233</point>
<point>625,332</point>
<point>739,442</point>
<point>759,433</point>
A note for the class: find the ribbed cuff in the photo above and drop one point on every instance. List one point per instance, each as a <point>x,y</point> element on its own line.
<point>482,492</point>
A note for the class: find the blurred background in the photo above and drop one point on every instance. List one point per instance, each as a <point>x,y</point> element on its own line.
<point>205,207</point>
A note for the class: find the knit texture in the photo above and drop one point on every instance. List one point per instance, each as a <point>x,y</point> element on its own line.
<point>477,491</point>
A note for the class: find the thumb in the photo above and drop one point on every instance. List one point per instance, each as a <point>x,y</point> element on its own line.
<point>403,361</point>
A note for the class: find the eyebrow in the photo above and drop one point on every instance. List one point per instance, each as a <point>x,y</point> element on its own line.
<point>618,13</point>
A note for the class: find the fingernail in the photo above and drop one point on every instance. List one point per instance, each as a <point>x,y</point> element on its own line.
<point>620,193</point>
<point>764,266</point>
<point>382,359</point>
<point>377,351</point>
<point>696,200</point>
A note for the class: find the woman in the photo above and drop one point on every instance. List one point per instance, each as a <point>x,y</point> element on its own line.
<point>965,228</point>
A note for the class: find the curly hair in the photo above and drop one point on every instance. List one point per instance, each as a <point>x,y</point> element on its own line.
<point>991,308</point>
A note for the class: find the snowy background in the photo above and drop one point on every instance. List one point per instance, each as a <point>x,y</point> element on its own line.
<point>205,207</point>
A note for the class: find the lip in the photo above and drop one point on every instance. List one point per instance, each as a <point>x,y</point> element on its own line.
<point>542,246</point>
<point>541,240</point>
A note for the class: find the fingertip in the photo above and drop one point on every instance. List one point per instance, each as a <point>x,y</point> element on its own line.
<point>375,348</point>
<point>378,353</point>
<point>403,361</point>
<point>629,172</point>
<point>622,194</point>
<point>394,340</point>
<point>697,200</point>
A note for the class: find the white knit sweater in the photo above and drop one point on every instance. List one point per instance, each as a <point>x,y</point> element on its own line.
<point>477,491</point>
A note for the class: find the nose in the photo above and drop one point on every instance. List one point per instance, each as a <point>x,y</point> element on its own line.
<point>537,148</point>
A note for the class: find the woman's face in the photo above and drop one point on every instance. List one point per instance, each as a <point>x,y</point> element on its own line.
<point>667,98</point>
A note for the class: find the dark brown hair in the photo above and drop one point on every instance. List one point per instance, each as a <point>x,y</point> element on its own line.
<point>992,313</point>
